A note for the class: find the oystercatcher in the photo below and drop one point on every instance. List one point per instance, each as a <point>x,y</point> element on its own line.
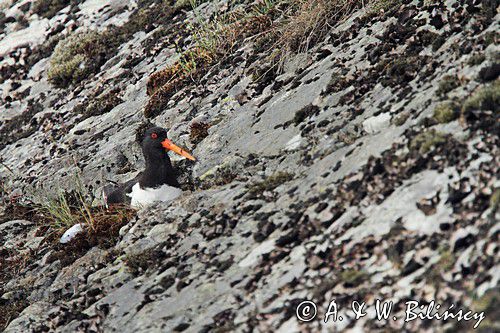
<point>157,182</point>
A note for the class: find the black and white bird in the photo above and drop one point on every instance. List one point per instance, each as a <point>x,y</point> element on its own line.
<point>157,182</point>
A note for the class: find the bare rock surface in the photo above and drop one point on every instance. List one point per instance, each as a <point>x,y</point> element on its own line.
<point>331,180</point>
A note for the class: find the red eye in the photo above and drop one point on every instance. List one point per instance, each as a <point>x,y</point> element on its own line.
<point>154,135</point>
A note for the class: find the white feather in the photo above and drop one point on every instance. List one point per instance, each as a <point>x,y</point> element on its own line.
<point>71,233</point>
<point>141,197</point>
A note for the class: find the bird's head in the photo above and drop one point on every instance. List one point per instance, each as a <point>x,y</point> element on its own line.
<point>156,143</point>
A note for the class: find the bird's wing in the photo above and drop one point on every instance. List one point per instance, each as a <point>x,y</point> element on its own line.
<point>118,194</point>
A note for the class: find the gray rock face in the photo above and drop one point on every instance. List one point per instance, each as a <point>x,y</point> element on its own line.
<point>329,180</point>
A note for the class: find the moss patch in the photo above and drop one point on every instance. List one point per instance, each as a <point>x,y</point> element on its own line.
<point>401,118</point>
<point>49,8</point>
<point>476,59</point>
<point>447,84</point>
<point>383,6</point>
<point>352,277</point>
<point>270,183</point>
<point>495,200</point>
<point>141,261</point>
<point>486,98</point>
<point>426,141</point>
<point>488,303</point>
<point>446,112</point>
<point>78,56</point>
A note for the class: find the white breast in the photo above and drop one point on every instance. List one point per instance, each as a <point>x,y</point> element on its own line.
<point>141,197</point>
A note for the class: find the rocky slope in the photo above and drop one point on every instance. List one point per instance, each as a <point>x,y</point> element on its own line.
<point>361,166</point>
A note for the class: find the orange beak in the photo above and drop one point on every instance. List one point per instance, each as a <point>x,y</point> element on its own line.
<point>176,149</point>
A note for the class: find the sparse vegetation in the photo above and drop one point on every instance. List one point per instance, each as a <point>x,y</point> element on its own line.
<point>270,183</point>
<point>212,41</point>
<point>49,8</point>
<point>446,112</point>
<point>308,21</point>
<point>495,200</point>
<point>140,262</point>
<point>426,141</point>
<point>486,98</point>
<point>476,59</point>
<point>401,118</point>
<point>198,131</point>
<point>447,84</point>
<point>99,105</point>
<point>383,6</point>
<point>286,28</point>
<point>352,277</point>
<point>77,56</point>
<point>69,208</point>
<point>10,309</point>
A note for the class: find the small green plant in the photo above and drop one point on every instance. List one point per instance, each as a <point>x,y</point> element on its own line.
<point>424,142</point>
<point>401,118</point>
<point>270,183</point>
<point>378,6</point>
<point>447,84</point>
<point>476,59</point>
<point>486,98</point>
<point>495,200</point>
<point>49,8</point>
<point>446,112</point>
<point>352,277</point>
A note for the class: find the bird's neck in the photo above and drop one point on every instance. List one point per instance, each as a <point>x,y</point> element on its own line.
<point>158,172</point>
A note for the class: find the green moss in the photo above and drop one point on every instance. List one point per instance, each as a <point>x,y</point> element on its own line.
<point>352,277</point>
<point>446,112</point>
<point>270,183</point>
<point>495,200</point>
<point>78,56</point>
<point>447,260</point>
<point>401,118</point>
<point>185,4</point>
<point>447,84</point>
<point>49,8</point>
<point>486,98</point>
<point>424,142</point>
<point>139,262</point>
<point>488,303</point>
<point>378,6</point>
<point>490,38</point>
<point>476,59</point>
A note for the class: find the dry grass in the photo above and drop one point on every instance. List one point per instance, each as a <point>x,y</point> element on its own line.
<point>212,42</point>
<point>310,21</point>
<point>279,29</point>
